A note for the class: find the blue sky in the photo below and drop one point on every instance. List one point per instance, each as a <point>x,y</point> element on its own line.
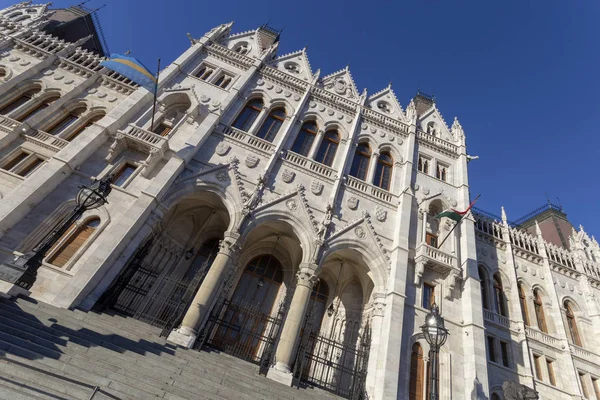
<point>522,76</point>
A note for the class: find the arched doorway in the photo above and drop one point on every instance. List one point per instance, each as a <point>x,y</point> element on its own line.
<point>160,280</point>
<point>243,328</point>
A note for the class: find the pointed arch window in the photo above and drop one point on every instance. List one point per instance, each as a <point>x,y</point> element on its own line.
<point>499,297</point>
<point>85,125</point>
<point>572,325</point>
<point>204,72</point>
<point>328,148</point>
<point>305,138</point>
<point>66,121</point>
<point>19,101</point>
<point>523,303</point>
<point>423,165</point>
<point>417,369</point>
<point>248,115</point>
<point>360,163</point>
<point>206,255</point>
<point>484,291</point>
<point>42,105</point>
<point>75,238</point>
<point>272,124</point>
<point>318,301</point>
<point>223,81</point>
<point>539,311</point>
<point>383,172</point>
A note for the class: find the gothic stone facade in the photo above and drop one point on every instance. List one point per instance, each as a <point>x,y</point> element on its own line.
<point>255,158</point>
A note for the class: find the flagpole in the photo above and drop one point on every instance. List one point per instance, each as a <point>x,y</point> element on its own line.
<point>458,223</point>
<point>155,90</point>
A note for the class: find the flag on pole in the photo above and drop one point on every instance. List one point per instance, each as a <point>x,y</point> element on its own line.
<point>455,215</point>
<point>131,68</point>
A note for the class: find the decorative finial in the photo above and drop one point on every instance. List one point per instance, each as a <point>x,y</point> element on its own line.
<point>504,219</point>
<point>538,231</point>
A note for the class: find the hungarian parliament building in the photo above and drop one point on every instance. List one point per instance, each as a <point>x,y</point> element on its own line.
<point>282,216</point>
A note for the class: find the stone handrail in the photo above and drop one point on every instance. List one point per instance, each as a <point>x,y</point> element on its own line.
<point>584,354</point>
<point>425,250</point>
<point>145,136</point>
<point>542,337</point>
<point>8,124</point>
<point>311,165</point>
<point>369,189</point>
<point>246,138</point>
<point>440,143</point>
<point>496,318</point>
<point>46,140</point>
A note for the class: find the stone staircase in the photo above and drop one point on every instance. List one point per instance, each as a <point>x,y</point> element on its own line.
<point>52,353</point>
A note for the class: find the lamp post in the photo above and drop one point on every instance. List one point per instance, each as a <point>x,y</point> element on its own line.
<point>436,334</point>
<point>23,270</point>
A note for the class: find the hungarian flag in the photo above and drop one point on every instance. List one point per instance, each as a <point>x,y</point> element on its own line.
<point>456,215</point>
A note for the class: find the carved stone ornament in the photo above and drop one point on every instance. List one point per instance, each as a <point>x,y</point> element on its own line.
<point>287,175</point>
<point>316,187</point>
<point>360,232</point>
<point>340,86</point>
<point>306,278</point>
<point>223,176</point>
<point>517,391</point>
<point>204,99</point>
<point>251,161</point>
<point>292,204</point>
<point>222,148</point>
<point>312,104</point>
<point>381,214</point>
<point>352,203</point>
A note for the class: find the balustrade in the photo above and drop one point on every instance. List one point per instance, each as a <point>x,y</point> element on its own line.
<point>441,260</point>
<point>8,125</point>
<point>46,140</point>
<point>310,165</point>
<point>369,189</point>
<point>496,318</point>
<point>584,354</point>
<point>440,143</point>
<point>542,337</point>
<point>246,138</point>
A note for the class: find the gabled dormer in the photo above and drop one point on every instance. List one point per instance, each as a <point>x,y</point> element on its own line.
<point>255,43</point>
<point>295,64</point>
<point>386,102</point>
<point>432,122</point>
<point>341,83</point>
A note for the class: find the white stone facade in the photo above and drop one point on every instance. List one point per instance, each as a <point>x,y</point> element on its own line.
<point>367,237</point>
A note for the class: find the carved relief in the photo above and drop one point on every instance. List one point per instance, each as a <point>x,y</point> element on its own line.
<point>316,187</point>
<point>360,232</point>
<point>380,214</point>
<point>287,175</point>
<point>222,148</point>
<point>352,203</point>
<point>252,161</point>
<point>292,204</point>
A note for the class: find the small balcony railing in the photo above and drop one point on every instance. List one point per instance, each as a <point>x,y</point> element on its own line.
<point>542,337</point>
<point>496,318</point>
<point>8,125</point>
<point>247,139</point>
<point>371,190</point>
<point>142,140</point>
<point>310,165</point>
<point>584,354</point>
<point>46,140</point>
<point>436,259</point>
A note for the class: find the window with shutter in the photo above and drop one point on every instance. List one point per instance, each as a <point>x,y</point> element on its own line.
<point>75,238</point>
<point>415,390</point>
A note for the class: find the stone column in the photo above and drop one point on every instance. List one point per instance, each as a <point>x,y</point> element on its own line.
<point>187,334</point>
<point>424,231</point>
<point>290,333</point>
<point>372,167</point>
<point>376,323</point>
<point>316,144</point>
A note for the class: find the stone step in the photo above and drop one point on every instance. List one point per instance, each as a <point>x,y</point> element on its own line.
<point>14,390</point>
<point>106,350</point>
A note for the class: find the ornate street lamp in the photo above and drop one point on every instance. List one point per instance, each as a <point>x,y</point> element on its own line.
<point>23,270</point>
<point>436,334</point>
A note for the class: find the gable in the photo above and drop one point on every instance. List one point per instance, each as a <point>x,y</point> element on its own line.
<point>386,102</point>
<point>341,83</point>
<point>246,43</point>
<point>433,117</point>
<point>295,64</point>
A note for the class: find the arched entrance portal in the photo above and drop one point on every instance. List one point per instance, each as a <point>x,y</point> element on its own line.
<point>243,329</point>
<point>159,282</point>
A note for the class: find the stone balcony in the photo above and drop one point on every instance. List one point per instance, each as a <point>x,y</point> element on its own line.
<point>584,354</point>
<point>251,142</point>
<point>46,140</point>
<point>437,143</point>
<point>497,319</point>
<point>311,167</point>
<point>8,125</point>
<point>543,338</point>
<point>371,190</point>
<point>438,261</point>
<point>140,140</point>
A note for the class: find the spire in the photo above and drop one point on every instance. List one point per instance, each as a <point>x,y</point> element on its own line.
<point>411,112</point>
<point>504,219</point>
<point>538,231</point>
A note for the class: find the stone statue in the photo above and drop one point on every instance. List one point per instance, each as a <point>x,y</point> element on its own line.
<point>516,391</point>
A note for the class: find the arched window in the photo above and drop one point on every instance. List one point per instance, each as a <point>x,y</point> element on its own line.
<point>499,297</point>
<point>431,128</point>
<point>42,105</point>
<point>360,163</point>
<point>383,172</point>
<point>76,237</point>
<point>484,290</point>
<point>328,148</point>
<point>248,115</point>
<point>523,303</point>
<point>242,48</point>
<point>66,121</point>
<point>19,101</point>
<point>417,369</point>
<point>206,255</point>
<point>539,311</point>
<point>305,138</point>
<point>205,72</point>
<point>272,124</point>
<point>223,81</point>
<point>165,124</point>
<point>423,165</point>
<point>572,325</point>
<point>90,121</point>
